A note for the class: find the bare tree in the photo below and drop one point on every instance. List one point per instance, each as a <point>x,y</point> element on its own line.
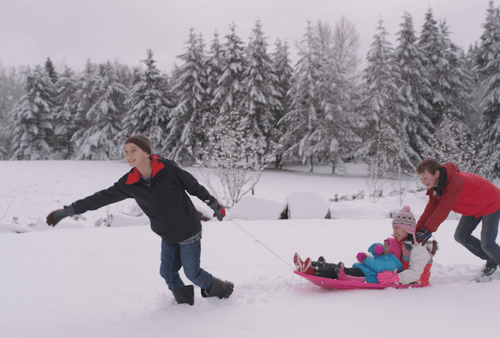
<point>325,38</point>
<point>346,44</point>
<point>340,44</point>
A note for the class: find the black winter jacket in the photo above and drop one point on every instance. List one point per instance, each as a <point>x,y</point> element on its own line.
<point>164,200</point>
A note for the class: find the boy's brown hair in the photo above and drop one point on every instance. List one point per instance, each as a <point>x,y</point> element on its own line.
<point>430,165</point>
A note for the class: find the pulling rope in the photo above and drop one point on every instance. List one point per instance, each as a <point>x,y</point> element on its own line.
<point>258,241</point>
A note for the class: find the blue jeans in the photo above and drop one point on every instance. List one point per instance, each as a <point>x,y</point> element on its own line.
<point>173,256</point>
<point>486,248</point>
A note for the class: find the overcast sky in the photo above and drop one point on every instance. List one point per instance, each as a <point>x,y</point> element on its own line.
<point>72,31</point>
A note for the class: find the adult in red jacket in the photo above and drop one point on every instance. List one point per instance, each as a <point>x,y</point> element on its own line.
<point>476,198</point>
<point>159,187</point>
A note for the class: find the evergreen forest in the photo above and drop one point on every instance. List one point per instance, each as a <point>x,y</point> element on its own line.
<point>421,97</point>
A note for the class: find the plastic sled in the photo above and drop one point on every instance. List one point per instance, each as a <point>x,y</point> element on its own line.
<point>336,284</point>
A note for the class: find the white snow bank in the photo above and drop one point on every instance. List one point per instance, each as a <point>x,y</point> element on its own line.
<point>12,227</point>
<point>251,208</point>
<point>121,220</point>
<point>306,205</point>
<point>65,223</point>
<point>358,209</point>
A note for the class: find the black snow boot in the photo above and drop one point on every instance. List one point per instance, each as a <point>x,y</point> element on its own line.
<point>327,270</point>
<point>184,295</point>
<point>221,289</point>
<point>320,262</point>
<point>489,268</point>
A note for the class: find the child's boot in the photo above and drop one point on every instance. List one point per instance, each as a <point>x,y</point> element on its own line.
<point>307,268</point>
<point>298,262</point>
<point>343,276</point>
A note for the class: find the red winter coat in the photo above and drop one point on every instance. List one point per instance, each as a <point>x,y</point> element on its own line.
<point>464,193</point>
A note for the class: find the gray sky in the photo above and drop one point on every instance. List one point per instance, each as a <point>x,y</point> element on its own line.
<point>72,31</point>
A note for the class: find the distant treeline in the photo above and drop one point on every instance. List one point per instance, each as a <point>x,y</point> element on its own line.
<point>423,97</point>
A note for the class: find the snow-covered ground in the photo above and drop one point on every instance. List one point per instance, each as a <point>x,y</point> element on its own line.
<point>78,280</point>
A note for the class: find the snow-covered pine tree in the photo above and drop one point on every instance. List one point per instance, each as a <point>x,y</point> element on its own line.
<point>187,126</point>
<point>488,52</point>
<point>124,74</point>
<point>450,95</point>
<point>480,56</point>
<point>478,88</point>
<point>487,66</point>
<point>51,71</point>
<point>336,137</point>
<point>149,105</point>
<point>261,98</point>
<point>387,149</point>
<point>284,71</point>
<point>11,91</point>
<point>4,146</point>
<point>489,138</point>
<point>65,122</point>
<point>302,120</point>
<point>32,116</point>
<point>229,91</point>
<point>455,138</point>
<point>105,116</point>
<point>4,143</point>
<point>85,97</point>
<point>415,87</point>
<point>214,65</point>
<point>428,44</point>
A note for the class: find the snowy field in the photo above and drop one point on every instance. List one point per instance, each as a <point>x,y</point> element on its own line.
<point>78,280</point>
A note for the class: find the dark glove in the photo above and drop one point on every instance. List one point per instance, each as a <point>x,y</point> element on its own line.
<point>55,216</point>
<point>422,236</point>
<point>219,210</point>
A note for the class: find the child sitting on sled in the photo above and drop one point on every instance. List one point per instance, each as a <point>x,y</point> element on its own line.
<point>416,258</point>
<point>380,257</point>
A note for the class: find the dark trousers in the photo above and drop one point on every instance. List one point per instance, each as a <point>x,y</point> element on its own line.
<point>486,248</point>
<point>175,256</point>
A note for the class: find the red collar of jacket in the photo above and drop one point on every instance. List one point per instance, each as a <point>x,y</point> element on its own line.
<point>450,169</point>
<point>135,176</point>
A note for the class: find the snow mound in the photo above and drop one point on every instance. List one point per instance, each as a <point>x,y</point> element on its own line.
<point>12,227</point>
<point>65,223</point>
<point>253,208</point>
<point>307,205</point>
<point>358,210</point>
<point>121,220</point>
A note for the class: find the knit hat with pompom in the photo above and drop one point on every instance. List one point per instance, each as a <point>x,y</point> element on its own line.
<point>405,220</point>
